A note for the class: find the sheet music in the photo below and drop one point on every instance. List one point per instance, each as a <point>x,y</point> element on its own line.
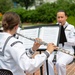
<point>49,35</point>
<point>31,33</point>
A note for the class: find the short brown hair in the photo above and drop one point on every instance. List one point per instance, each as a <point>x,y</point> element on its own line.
<point>62,11</point>
<point>9,20</point>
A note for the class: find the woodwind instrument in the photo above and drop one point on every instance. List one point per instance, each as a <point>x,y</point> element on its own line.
<point>44,43</point>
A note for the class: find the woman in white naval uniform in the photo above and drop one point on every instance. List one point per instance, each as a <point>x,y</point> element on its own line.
<point>12,52</point>
<point>62,59</point>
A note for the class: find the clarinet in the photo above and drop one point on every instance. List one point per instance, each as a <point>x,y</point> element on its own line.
<point>45,44</point>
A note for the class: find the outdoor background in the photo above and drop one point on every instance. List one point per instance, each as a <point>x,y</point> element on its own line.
<point>40,12</point>
<point>33,12</point>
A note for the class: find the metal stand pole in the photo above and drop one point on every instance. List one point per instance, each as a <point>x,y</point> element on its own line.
<point>41,68</point>
<point>47,67</point>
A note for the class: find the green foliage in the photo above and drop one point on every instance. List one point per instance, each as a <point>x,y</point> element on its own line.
<point>46,13</point>
<point>5,5</point>
<point>20,11</point>
<point>25,3</point>
<point>0,18</point>
<point>31,16</point>
<point>66,5</point>
<point>71,20</point>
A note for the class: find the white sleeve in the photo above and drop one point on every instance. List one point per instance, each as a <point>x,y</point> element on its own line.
<point>29,52</point>
<point>70,33</point>
<point>25,63</point>
<point>71,37</point>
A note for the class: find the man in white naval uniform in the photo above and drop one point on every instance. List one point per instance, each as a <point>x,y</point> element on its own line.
<point>62,59</point>
<point>12,52</point>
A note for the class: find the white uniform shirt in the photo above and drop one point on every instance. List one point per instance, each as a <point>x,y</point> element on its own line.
<point>72,38</point>
<point>68,32</point>
<point>15,58</point>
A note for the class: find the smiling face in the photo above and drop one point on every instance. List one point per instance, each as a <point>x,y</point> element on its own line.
<point>61,17</point>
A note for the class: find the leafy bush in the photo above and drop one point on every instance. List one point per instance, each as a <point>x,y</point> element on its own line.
<point>20,11</point>
<point>46,13</point>
<point>31,16</point>
<point>5,5</point>
<point>71,20</point>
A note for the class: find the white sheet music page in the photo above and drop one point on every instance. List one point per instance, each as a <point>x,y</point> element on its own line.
<point>30,33</point>
<point>49,35</point>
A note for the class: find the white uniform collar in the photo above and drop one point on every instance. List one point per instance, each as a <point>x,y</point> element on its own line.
<point>65,25</point>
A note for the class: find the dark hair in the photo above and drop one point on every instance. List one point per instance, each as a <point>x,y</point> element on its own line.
<point>62,11</point>
<point>9,20</point>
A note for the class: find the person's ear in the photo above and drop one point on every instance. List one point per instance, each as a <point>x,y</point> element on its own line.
<point>16,27</point>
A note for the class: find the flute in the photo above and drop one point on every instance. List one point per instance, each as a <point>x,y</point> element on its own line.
<point>44,43</point>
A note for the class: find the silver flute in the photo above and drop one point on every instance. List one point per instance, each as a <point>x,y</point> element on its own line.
<point>44,43</point>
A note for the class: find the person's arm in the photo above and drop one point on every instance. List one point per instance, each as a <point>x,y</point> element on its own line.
<point>24,62</point>
<point>36,45</point>
<point>29,52</point>
<point>70,35</point>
